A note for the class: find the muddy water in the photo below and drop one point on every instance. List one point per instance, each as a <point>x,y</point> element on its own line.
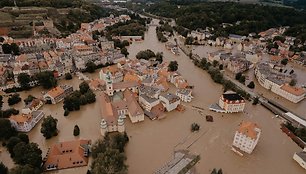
<point>152,142</point>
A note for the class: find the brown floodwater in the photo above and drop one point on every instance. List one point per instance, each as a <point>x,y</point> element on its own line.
<point>152,142</point>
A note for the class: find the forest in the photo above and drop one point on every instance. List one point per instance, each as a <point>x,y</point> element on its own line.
<point>246,18</point>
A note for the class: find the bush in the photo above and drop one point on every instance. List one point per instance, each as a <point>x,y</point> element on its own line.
<point>66,113</point>
<point>251,85</point>
<point>14,99</point>
<point>195,127</point>
<point>76,130</point>
<point>68,76</point>
<point>255,101</point>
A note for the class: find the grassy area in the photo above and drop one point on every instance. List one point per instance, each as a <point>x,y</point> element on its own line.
<point>5,16</point>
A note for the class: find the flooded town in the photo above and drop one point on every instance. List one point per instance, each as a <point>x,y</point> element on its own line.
<point>176,117</point>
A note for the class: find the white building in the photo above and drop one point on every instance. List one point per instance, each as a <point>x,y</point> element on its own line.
<point>184,95</point>
<point>291,93</point>
<point>247,136</point>
<point>25,122</point>
<point>231,102</point>
<point>169,101</point>
<point>300,158</point>
<point>148,102</point>
<point>58,93</point>
<point>32,106</point>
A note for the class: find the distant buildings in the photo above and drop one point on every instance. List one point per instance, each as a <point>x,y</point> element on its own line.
<point>300,158</point>
<point>58,93</point>
<point>68,154</point>
<point>26,122</point>
<point>247,136</point>
<point>229,102</point>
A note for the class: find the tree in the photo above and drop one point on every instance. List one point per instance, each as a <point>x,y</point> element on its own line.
<point>27,154</point>
<point>90,67</point>
<point>1,101</point>
<point>46,79</point>
<point>111,161</point>
<point>66,112</point>
<point>215,63</point>
<point>238,76</point>
<point>291,72</point>
<point>189,41</point>
<point>1,39</point>
<point>220,171</point>
<point>84,87</point>
<point>24,80</point>
<point>221,67</point>
<point>90,96</point>
<point>159,57</point>
<point>173,66</point>
<point>68,76</point>
<point>284,61</point>
<point>255,101</point>
<point>29,99</point>
<point>6,48</point>
<point>195,127</point>
<point>15,49</point>
<point>12,142</point>
<point>49,127</point>
<point>24,137</point>
<point>242,79</point>
<point>214,171</point>
<point>3,169</point>
<point>124,51</point>
<point>14,99</point>
<point>147,54</point>
<point>25,169</point>
<point>76,130</point>
<point>292,82</point>
<point>251,85</point>
<point>6,129</point>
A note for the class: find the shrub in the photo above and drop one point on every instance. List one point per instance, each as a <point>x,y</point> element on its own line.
<point>195,127</point>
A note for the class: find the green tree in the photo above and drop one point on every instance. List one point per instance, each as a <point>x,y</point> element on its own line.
<point>76,130</point>
<point>84,87</point>
<point>12,142</point>
<point>255,101</point>
<point>242,79</point>
<point>173,66</point>
<point>24,80</point>
<point>6,129</point>
<point>29,99</point>
<point>251,85</point>
<point>1,101</point>
<point>14,99</point>
<point>3,169</point>
<point>111,161</point>
<point>6,48</point>
<point>195,127</point>
<point>238,76</point>
<point>147,54</point>
<point>90,96</point>
<point>90,67</point>
<point>68,76</point>
<point>46,79</point>
<point>23,137</point>
<point>159,57</point>
<point>284,61</point>
<point>49,127</point>
<point>1,39</point>
<point>215,63</point>
<point>189,41</point>
<point>24,169</point>
<point>292,82</point>
<point>124,51</point>
<point>27,154</point>
<point>15,49</point>
<point>221,67</point>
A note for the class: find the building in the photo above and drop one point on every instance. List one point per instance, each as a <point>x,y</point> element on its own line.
<point>26,122</point>
<point>68,154</point>
<point>112,115</point>
<point>184,95</point>
<point>231,102</point>
<point>169,101</point>
<point>135,112</point>
<point>58,93</point>
<point>291,93</point>
<point>247,136</point>
<point>300,158</point>
<point>34,105</point>
<point>111,73</point>
<point>148,102</point>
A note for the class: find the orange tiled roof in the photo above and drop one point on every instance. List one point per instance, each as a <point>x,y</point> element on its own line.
<point>248,128</point>
<point>131,77</point>
<point>293,90</point>
<point>56,91</point>
<point>68,154</point>
<point>21,118</point>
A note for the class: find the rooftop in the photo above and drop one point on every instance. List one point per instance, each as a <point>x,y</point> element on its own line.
<point>232,96</point>
<point>293,90</point>
<point>249,129</point>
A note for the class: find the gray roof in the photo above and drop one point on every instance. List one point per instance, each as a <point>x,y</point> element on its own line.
<point>148,99</point>
<point>171,97</point>
<point>302,155</point>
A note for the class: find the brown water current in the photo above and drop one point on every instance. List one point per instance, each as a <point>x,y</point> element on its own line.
<point>152,142</point>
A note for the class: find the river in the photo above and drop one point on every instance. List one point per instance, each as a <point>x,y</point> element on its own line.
<point>152,142</point>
